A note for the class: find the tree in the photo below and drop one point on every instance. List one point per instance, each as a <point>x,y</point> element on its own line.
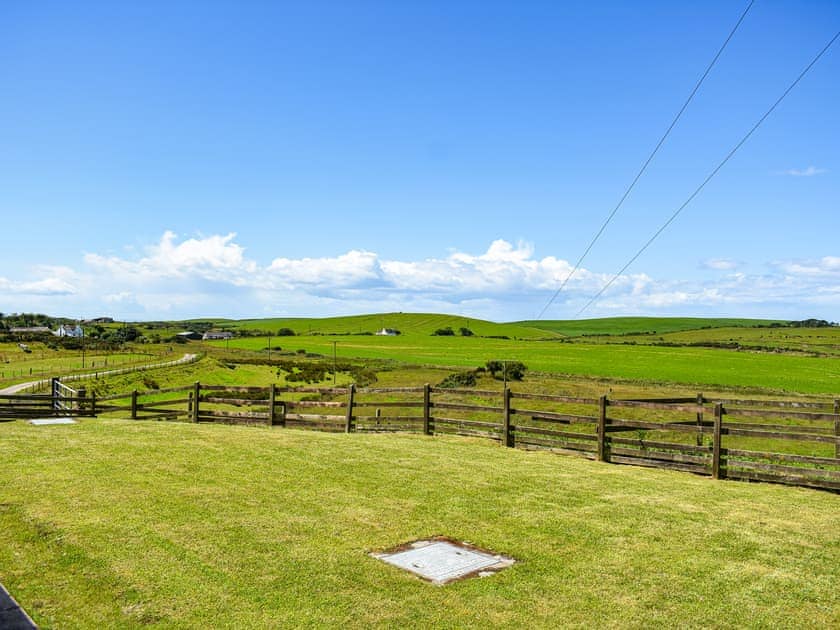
<point>444,332</point>
<point>512,370</point>
<point>466,332</point>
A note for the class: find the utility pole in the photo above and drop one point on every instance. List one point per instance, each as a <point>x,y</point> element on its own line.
<point>269,346</point>
<point>334,362</point>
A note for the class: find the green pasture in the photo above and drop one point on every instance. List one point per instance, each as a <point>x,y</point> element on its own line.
<point>42,361</point>
<point>801,340</point>
<point>129,525</point>
<point>639,325</point>
<point>689,366</point>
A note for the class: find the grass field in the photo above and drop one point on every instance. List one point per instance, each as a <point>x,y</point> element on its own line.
<point>779,360</point>
<point>16,365</point>
<point>644,325</point>
<point>689,366</point>
<point>120,524</point>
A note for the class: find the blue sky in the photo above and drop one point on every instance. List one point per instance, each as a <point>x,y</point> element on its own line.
<point>179,159</point>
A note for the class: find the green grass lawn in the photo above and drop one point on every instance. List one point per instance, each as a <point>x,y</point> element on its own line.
<point>124,525</point>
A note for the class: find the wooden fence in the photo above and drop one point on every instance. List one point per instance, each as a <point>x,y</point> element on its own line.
<point>792,442</point>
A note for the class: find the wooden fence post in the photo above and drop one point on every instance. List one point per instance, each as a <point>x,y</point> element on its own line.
<point>54,389</point>
<point>427,409</point>
<point>134,404</point>
<point>507,434</point>
<point>837,429</point>
<point>348,423</point>
<point>716,442</point>
<point>603,456</point>
<point>699,421</point>
<point>93,404</point>
<point>271,395</point>
<point>196,395</point>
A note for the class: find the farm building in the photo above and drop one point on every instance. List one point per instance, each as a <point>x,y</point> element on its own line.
<point>189,334</point>
<point>69,330</point>
<point>387,332</point>
<point>217,334</point>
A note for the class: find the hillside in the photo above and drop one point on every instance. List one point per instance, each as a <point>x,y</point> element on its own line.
<point>407,323</point>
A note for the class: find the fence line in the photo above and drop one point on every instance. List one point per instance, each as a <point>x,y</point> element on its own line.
<point>757,440</point>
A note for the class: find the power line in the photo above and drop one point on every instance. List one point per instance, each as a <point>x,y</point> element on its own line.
<point>710,176</point>
<point>648,161</point>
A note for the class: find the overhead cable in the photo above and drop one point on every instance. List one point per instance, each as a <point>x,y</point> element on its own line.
<point>710,176</point>
<point>648,161</point>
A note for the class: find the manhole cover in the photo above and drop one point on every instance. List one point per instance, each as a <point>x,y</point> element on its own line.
<point>43,421</point>
<point>442,560</point>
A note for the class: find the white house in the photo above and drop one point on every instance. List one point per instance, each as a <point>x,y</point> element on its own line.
<point>215,334</point>
<point>69,330</point>
<point>387,332</point>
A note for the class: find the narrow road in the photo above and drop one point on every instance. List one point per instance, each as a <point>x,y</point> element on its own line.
<point>14,389</point>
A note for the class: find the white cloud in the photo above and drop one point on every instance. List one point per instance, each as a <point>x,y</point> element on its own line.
<point>720,264</point>
<point>212,276</point>
<point>44,286</point>
<point>825,266</point>
<point>805,172</point>
<point>212,258</point>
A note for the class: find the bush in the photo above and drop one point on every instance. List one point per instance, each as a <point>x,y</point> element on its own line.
<point>466,332</point>
<point>459,379</point>
<point>285,332</point>
<point>514,370</point>
<point>444,332</point>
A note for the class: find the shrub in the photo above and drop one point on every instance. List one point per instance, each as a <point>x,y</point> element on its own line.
<point>459,379</point>
<point>466,332</point>
<point>444,332</point>
<point>285,332</point>
<point>514,370</point>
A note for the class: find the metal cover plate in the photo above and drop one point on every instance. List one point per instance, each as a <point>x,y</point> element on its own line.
<point>441,561</point>
<point>42,421</point>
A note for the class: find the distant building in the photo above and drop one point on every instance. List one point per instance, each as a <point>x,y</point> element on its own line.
<point>189,334</point>
<point>30,329</point>
<point>69,330</point>
<point>217,334</point>
<point>388,332</point>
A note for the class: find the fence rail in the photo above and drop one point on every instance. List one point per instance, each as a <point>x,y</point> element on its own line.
<point>792,442</point>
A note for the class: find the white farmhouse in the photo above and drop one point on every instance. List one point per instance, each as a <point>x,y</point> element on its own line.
<point>69,330</point>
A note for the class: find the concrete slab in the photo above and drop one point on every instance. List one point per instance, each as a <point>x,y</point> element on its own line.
<point>45,421</point>
<point>441,560</point>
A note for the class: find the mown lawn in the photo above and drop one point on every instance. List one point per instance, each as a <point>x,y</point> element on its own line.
<point>119,525</point>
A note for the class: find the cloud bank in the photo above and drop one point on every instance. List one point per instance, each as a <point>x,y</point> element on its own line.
<point>213,276</point>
